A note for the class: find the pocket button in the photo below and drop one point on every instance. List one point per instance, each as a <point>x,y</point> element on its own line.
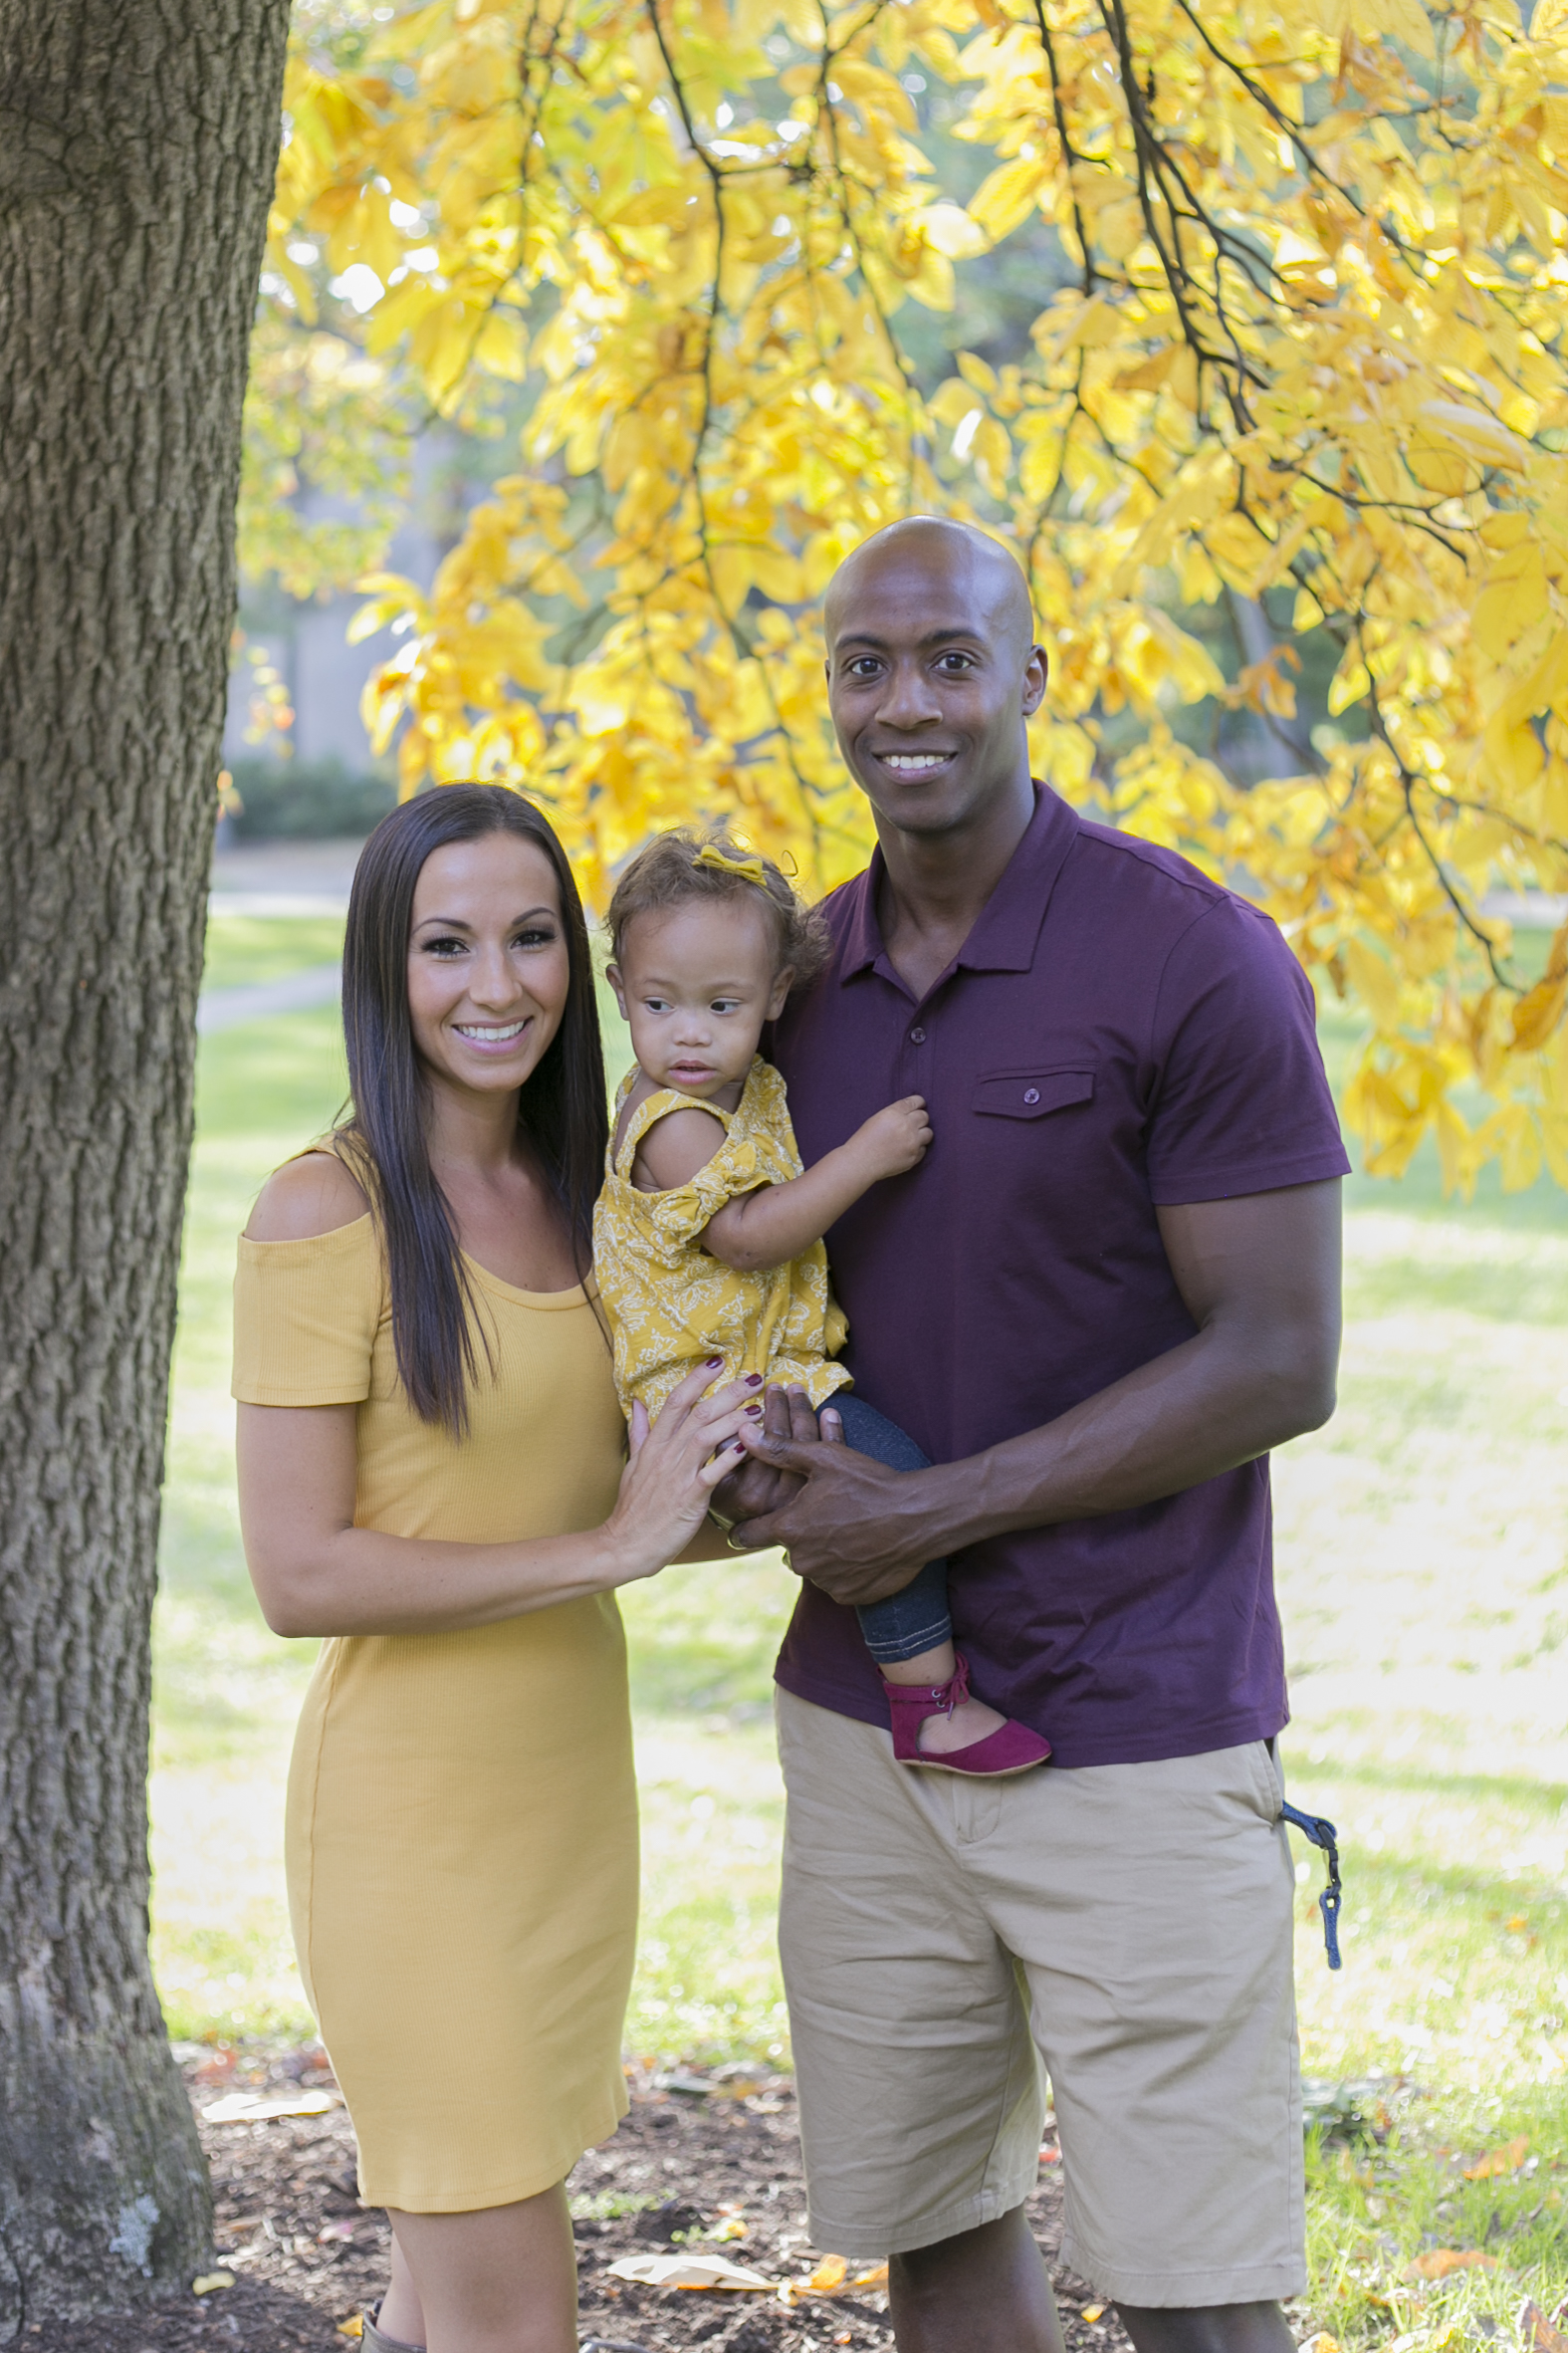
<point>1031,1094</point>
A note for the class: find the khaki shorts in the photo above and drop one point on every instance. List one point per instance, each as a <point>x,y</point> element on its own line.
<point>1129,1923</point>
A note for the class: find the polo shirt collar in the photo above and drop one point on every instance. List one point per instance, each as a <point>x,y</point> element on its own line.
<point>1008,928</point>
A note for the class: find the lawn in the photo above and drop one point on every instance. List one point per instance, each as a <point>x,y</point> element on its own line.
<point>1425,1579</point>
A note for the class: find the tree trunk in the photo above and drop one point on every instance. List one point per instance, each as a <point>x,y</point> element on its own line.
<point>137,145</point>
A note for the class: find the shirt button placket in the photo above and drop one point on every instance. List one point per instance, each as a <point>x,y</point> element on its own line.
<point>918,1060</point>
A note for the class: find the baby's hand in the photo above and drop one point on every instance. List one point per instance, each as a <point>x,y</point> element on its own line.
<point>896,1139</point>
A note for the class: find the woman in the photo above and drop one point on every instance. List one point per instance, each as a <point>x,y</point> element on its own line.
<point>433,1475</point>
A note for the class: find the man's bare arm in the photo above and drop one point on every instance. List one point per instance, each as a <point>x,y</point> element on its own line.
<point>1260,1278</point>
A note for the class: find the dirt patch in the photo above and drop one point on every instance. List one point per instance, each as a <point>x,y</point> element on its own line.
<point>714,2167</point>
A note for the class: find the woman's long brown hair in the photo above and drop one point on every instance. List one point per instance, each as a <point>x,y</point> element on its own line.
<point>562,1110</point>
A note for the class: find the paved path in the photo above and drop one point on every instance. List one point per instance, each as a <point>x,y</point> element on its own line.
<point>296,992</point>
<point>283,878</point>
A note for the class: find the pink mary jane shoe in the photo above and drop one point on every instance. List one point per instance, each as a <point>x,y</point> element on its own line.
<point>1013,1749</point>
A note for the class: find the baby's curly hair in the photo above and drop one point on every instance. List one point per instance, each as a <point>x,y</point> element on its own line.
<point>672,870</point>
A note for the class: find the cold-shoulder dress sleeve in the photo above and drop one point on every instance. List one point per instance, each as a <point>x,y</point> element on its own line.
<point>306,1318</point>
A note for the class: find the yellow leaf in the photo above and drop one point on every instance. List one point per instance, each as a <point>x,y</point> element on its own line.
<point>1119,228</point>
<point>1374,981</point>
<point>979,373</point>
<point>830,2274</point>
<point>953,231</point>
<point>1498,2162</point>
<point>1438,2262</point>
<point>1509,607</point>
<point>953,402</point>
<point>1477,432</point>
<point>1007,196</point>
<point>1537,1013</point>
<point>502,347</point>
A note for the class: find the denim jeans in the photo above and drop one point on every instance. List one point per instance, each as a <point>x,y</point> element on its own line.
<point>917,1618</point>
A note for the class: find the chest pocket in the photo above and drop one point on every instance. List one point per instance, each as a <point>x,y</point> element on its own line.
<point>1030,1093</point>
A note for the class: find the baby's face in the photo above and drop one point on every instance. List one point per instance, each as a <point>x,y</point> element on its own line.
<point>696,983</point>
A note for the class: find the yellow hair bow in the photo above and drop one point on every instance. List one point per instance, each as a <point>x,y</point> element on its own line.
<point>749,869</point>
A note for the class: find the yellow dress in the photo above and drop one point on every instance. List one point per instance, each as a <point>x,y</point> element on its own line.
<point>462,1820</point>
<point>670,1303</point>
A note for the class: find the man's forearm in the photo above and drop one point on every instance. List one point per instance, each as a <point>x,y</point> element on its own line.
<point>861,1533</point>
<point>1190,1415</point>
<point>1260,1276</point>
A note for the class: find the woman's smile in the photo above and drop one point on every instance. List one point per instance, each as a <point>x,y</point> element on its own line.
<point>493,1036</point>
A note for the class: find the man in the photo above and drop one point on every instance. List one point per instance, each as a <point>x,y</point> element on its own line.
<point>1109,1290</point>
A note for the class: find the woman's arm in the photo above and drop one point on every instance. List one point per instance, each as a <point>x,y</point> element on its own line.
<point>315,1572</point>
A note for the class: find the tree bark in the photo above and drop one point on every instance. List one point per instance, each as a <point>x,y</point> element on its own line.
<point>139,142</point>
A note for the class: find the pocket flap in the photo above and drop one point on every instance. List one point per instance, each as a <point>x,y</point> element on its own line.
<point>1029,1095</point>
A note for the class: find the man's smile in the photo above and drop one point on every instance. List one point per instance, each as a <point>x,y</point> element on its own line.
<point>913,763</point>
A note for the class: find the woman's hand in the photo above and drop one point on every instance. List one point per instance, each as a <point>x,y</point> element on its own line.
<point>676,1463</point>
<point>851,1526</point>
<point>753,1491</point>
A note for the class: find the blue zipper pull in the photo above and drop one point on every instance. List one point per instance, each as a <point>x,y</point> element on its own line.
<point>1322,1833</point>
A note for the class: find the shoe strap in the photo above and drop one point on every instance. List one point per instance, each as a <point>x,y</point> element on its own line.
<point>933,1698</point>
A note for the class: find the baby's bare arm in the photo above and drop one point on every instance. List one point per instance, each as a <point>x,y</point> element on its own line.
<point>674,1148</point>
<point>777,1222</point>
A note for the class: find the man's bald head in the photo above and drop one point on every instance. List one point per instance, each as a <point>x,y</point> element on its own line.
<point>932,677</point>
<point>979,571</point>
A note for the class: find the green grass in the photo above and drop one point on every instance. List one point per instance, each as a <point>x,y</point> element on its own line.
<point>243,950</point>
<point>1424,1572</point>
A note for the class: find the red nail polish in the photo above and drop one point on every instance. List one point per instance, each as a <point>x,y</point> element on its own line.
<point>714,1363</point>
<point>756,1409</point>
<point>754,1380</point>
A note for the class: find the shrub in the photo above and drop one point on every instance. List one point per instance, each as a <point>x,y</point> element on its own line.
<point>306,800</point>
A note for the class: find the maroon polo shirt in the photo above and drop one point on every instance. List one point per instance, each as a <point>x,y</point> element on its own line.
<point>1117,1033</point>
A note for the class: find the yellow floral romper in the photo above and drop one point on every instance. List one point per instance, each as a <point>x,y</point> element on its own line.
<point>670,1303</point>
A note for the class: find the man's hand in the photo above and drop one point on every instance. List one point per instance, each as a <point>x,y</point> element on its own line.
<point>1259,1274</point>
<point>849,1522</point>
<point>761,1486</point>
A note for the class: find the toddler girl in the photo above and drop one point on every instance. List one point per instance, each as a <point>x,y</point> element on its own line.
<point>708,1235</point>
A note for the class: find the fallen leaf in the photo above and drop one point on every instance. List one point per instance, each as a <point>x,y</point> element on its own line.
<point>249,2107</point>
<point>1050,2156</point>
<point>1537,2331</point>
<point>1092,2312</point>
<point>732,2227</point>
<point>691,2270</point>
<point>1509,2159</point>
<point>209,2280</point>
<point>1321,2343</point>
<point>875,2278</point>
<point>830,2274</point>
<point>353,2326</point>
<point>1438,2262</point>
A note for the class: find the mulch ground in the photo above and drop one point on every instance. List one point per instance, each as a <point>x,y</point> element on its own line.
<point>687,2165</point>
